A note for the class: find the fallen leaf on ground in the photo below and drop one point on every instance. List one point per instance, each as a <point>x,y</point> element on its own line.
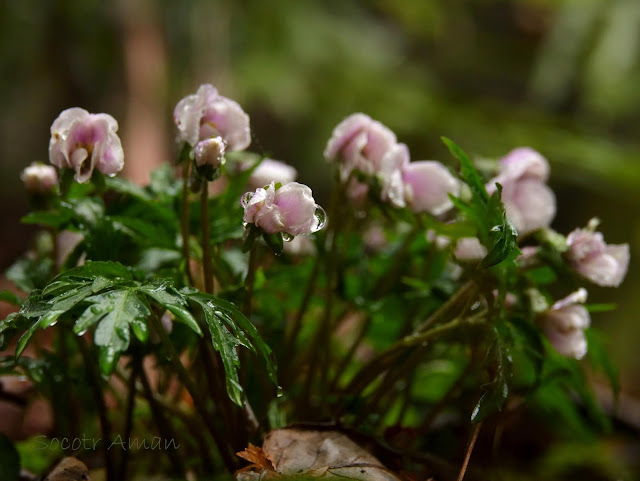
<point>328,454</point>
<point>69,469</point>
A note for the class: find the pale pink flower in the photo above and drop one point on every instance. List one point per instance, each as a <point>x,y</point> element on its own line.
<point>603,264</point>
<point>564,324</point>
<point>427,186</point>
<point>469,249</point>
<point>290,209</point>
<point>210,152</point>
<point>530,204</point>
<point>270,170</point>
<point>82,141</point>
<point>207,114</point>
<point>39,178</point>
<point>359,142</point>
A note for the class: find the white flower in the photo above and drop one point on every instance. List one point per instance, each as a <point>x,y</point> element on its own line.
<point>601,263</point>
<point>84,141</point>
<point>564,324</point>
<point>289,209</point>
<point>207,114</point>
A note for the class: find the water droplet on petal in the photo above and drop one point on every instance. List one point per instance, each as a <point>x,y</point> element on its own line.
<point>287,237</point>
<point>244,200</point>
<point>321,215</point>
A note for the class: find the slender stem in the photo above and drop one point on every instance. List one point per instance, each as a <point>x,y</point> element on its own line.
<point>446,399</point>
<point>389,380</point>
<point>128,424</point>
<point>398,263</point>
<point>323,335</point>
<point>184,220</point>
<point>93,376</point>
<point>195,395</point>
<point>207,263</point>
<point>467,456</point>
<point>194,428</point>
<point>53,232</point>
<point>163,425</point>
<point>385,359</point>
<point>351,352</point>
<point>249,281</point>
<point>306,299</point>
<point>444,308</point>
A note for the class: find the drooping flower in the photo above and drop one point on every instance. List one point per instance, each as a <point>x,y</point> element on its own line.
<point>359,142</point>
<point>290,209</point>
<point>564,324</point>
<point>427,185</point>
<point>39,178</point>
<point>602,264</point>
<point>270,170</point>
<point>210,152</point>
<point>207,114</point>
<point>84,141</point>
<point>529,202</point>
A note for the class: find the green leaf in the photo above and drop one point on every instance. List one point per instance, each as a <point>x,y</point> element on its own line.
<point>29,274</point>
<point>174,301</point>
<point>50,218</point>
<point>90,270</point>
<point>229,328</point>
<point>225,343</point>
<point>252,235</point>
<point>10,298</point>
<point>275,242</point>
<point>497,391</point>
<point>245,325</point>
<point>10,465</point>
<point>467,171</point>
<point>122,310</point>
<point>505,245</point>
<point>600,359</point>
<point>123,186</point>
<point>26,337</point>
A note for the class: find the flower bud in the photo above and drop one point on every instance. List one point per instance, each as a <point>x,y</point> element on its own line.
<point>39,178</point>
<point>270,170</point>
<point>289,209</point>
<point>84,141</point>
<point>529,203</point>
<point>602,264</point>
<point>207,114</point>
<point>564,324</point>
<point>210,152</point>
<point>427,186</point>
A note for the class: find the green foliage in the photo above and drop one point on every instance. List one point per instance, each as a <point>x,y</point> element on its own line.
<point>493,227</point>
<point>10,466</point>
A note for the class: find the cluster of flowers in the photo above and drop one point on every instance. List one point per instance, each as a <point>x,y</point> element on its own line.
<point>362,144</point>
<point>364,150</point>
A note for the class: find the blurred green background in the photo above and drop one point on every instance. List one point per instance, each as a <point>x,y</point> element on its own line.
<point>559,76</point>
